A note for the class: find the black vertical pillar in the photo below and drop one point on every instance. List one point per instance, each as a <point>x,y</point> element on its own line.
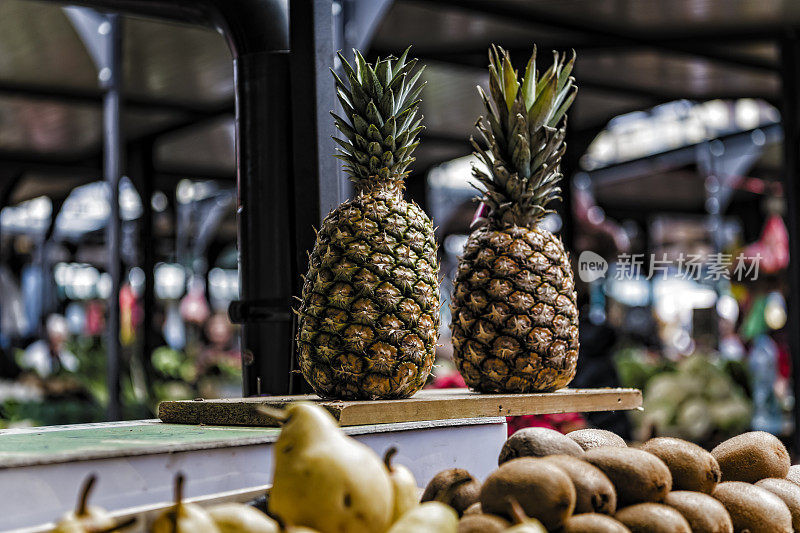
<point>790,70</point>
<point>9,182</point>
<point>316,176</point>
<point>265,212</point>
<point>112,170</point>
<point>140,170</point>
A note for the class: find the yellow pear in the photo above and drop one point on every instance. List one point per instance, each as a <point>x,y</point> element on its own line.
<point>241,518</point>
<point>85,518</point>
<point>324,479</point>
<point>428,517</point>
<point>183,517</point>
<point>404,485</point>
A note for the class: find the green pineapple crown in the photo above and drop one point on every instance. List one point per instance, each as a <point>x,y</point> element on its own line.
<point>380,107</point>
<point>523,133</point>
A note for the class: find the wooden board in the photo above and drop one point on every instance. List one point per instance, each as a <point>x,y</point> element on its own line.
<point>435,404</point>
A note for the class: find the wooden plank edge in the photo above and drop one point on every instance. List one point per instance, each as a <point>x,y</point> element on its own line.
<point>351,413</point>
<point>479,406</point>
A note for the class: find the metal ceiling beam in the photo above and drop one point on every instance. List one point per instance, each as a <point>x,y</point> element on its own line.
<point>35,91</point>
<point>655,95</point>
<point>617,35</point>
<point>676,157</point>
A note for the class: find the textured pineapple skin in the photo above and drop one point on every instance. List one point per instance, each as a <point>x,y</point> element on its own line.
<point>515,317</point>
<point>369,317</point>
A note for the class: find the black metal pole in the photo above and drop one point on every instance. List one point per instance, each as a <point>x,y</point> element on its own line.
<point>265,210</point>
<point>790,72</point>
<point>316,172</point>
<point>112,170</point>
<point>6,189</point>
<point>141,172</point>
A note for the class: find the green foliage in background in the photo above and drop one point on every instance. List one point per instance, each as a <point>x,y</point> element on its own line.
<point>699,398</point>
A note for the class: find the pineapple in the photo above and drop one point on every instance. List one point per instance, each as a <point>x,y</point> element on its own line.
<point>369,318</point>
<point>515,318</point>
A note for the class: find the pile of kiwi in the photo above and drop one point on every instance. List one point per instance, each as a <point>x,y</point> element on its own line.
<point>591,481</point>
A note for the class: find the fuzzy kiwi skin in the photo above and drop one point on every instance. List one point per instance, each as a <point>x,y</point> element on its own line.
<point>460,498</point>
<point>594,491</point>
<point>653,518</point>
<point>786,491</point>
<point>794,474</point>
<point>753,509</point>
<point>537,442</point>
<point>595,438</point>
<point>692,467</point>
<point>543,490</point>
<point>593,523</point>
<point>704,513</point>
<point>482,523</point>
<point>752,456</point>
<point>638,476</point>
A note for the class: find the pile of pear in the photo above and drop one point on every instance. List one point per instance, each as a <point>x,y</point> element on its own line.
<point>587,481</point>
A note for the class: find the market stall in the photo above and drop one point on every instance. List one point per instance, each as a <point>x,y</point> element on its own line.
<point>339,287</point>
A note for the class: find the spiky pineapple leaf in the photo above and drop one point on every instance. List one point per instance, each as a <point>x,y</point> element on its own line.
<point>529,82</point>
<point>380,102</point>
<point>522,134</point>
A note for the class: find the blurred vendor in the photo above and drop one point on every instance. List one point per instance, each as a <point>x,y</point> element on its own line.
<point>47,357</point>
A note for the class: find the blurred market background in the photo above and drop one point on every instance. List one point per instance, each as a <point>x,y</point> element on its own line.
<point>675,150</point>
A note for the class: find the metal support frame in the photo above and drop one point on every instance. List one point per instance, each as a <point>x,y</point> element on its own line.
<point>606,34</point>
<point>112,172</point>
<point>258,35</point>
<point>655,96</point>
<point>102,36</point>
<point>140,170</point>
<point>790,71</point>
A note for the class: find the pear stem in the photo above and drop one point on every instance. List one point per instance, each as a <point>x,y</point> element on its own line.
<point>445,495</point>
<point>517,511</point>
<point>387,458</point>
<point>279,415</point>
<point>179,481</point>
<point>83,498</point>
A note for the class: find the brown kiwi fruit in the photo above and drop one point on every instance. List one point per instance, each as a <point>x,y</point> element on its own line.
<point>594,491</point>
<point>638,476</point>
<point>653,518</point>
<point>538,442</point>
<point>593,523</point>
<point>459,498</point>
<point>595,438</point>
<point>692,467</point>
<point>475,508</point>
<point>786,491</point>
<point>794,474</point>
<point>543,490</point>
<point>752,456</point>
<point>753,509</point>
<point>482,523</point>
<point>704,513</point>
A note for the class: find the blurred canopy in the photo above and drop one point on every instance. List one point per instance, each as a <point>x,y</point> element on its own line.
<point>178,79</point>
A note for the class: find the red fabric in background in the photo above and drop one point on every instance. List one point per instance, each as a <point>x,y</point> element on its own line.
<point>563,422</point>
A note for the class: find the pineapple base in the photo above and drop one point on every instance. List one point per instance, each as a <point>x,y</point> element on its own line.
<point>369,317</point>
<point>515,316</point>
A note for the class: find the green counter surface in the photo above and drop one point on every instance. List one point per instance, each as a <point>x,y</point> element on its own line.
<point>100,441</point>
<point>85,442</point>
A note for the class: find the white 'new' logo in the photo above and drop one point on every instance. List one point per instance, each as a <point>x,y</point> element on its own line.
<point>591,266</point>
